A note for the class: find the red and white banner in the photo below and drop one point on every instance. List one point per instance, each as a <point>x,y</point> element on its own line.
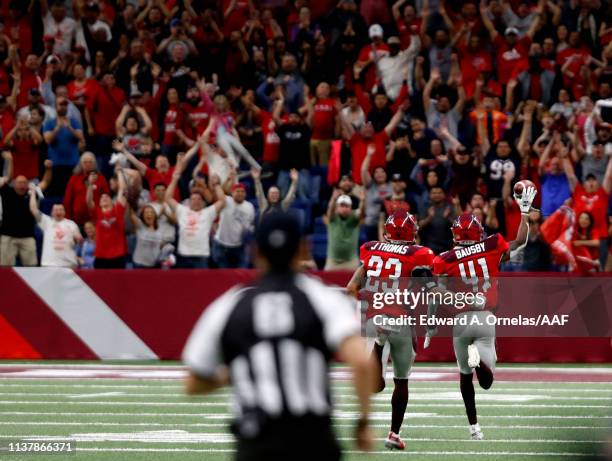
<point>48,313</point>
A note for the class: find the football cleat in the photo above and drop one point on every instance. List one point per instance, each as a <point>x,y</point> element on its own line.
<point>473,356</point>
<point>476,432</point>
<point>394,442</point>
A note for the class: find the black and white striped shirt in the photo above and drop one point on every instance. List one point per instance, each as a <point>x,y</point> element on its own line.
<point>277,339</point>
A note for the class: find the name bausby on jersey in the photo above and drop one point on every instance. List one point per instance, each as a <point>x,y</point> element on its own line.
<point>461,253</point>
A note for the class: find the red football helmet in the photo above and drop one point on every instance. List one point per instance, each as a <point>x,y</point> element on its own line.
<point>401,226</point>
<point>467,229</point>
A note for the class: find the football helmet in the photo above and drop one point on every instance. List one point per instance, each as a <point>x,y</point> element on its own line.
<point>467,229</point>
<point>401,227</point>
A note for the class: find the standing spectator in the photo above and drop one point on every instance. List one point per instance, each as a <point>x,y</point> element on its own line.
<point>25,142</point>
<point>75,198</point>
<point>366,141</point>
<point>554,177</point>
<point>165,217</point>
<point>322,118</point>
<point>397,66</point>
<point>294,153</point>
<point>440,114</point>
<point>111,246</point>
<point>592,197</point>
<point>58,25</point>
<point>64,138</point>
<point>271,202</point>
<point>60,235</point>
<point>435,224</point>
<point>194,223</point>
<point>149,238</point>
<point>87,249</point>
<point>235,223</point>
<point>17,229</point>
<point>105,107</point>
<point>343,232</point>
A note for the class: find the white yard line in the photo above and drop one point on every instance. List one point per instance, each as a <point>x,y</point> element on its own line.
<point>342,415</point>
<point>145,403</point>
<point>350,425</point>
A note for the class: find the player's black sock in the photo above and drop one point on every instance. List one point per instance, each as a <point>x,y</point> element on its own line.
<point>399,401</point>
<point>484,375</point>
<point>377,353</point>
<point>468,394</point>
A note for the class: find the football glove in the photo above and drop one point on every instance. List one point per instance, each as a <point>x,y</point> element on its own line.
<point>525,200</point>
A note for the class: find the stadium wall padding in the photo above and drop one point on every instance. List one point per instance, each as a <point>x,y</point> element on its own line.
<point>53,313</point>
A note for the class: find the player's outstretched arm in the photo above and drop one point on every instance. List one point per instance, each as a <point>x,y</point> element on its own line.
<point>524,201</point>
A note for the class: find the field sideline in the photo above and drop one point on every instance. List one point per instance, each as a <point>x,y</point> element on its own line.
<point>138,412</point>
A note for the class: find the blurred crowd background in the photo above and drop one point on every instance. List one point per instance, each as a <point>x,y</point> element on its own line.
<point>157,133</point>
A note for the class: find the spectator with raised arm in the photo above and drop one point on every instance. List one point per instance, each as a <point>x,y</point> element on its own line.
<point>194,223</point>
<point>273,200</point>
<point>149,238</point>
<point>60,235</point>
<point>343,232</point>
<point>111,245</point>
<point>236,222</point>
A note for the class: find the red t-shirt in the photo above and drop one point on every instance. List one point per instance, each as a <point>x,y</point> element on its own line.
<point>237,18</point>
<point>29,80</point>
<point>155,177</point>
<point>5,87</point>
<point>359,148</point>
<point>511,61</point>
<point>7,122</point>
<point>81,95</point>
<point>173,121</point>
<point>472,64</point>
<point>25,158</point>
<point>323,119</point>
<point>596,204</point>
<point>199,117</point>
<point>75,197</point>
<point>479,261</point>
<point>110,232</point>
<point>106,105</point>
<point>405,32</point>
<point>271,139</point>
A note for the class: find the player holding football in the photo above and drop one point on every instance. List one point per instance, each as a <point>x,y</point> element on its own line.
<point>384,263</point>
<point>476,259</point>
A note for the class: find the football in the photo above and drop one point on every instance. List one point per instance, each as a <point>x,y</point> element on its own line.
<point>520,186</point>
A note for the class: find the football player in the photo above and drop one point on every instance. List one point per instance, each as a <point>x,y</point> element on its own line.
<point>383,264</point>
<point>475,260</point>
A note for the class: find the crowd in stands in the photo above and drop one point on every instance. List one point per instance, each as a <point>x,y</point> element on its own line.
<point>156,133</point>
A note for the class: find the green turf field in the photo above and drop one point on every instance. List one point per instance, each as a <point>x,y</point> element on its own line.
<point>137,419</point>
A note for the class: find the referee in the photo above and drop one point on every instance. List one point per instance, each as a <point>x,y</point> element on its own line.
<point>273,342</point>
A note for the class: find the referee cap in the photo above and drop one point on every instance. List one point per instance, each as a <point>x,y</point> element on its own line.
<point>278,239</point>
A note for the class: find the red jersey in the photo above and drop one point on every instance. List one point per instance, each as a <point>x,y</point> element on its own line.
<point>198,116</point>
<point>359,148</point>
<point>323,119</point>
<point>25,158</point>
<point>81,95</point>
<point>476,264</point>
<point>110,232</point>
<point>596,204</point>
<point>173,121</point>
<point>511,61</point>
<point>105,106</point>
<point>385,260</point>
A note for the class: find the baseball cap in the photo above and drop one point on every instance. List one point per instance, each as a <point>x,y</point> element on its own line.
<point>52,58</point>
<point>237,186</point>
<point>397,177</point>
<point>34,92</point>
<point>175,22</point>
<point>394,40</point>
<point>511,31</point>
<point>375,30</point>
<point>278,239</point>
<point>344,200</point>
